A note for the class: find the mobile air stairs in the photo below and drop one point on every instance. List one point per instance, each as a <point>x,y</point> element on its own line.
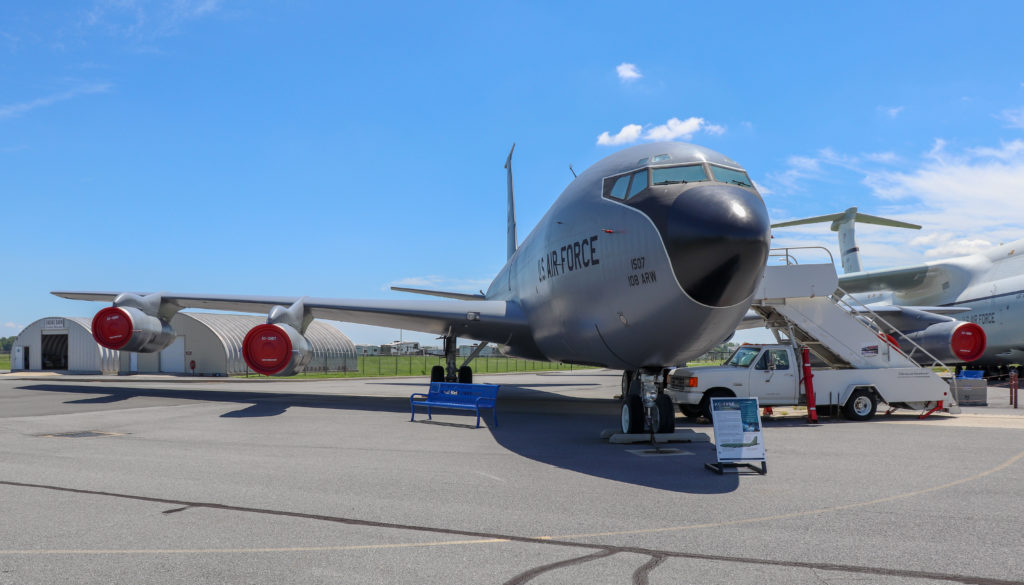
<point>803,305</point>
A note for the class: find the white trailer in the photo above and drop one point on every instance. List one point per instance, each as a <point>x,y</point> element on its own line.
<point>773,374</point>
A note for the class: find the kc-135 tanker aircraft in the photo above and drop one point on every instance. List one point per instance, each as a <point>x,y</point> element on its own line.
<point>647,259</point>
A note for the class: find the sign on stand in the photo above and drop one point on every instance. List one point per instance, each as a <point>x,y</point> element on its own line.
<point>739,440</point>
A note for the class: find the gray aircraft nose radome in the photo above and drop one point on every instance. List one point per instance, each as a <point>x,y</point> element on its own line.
<point>717,237</point>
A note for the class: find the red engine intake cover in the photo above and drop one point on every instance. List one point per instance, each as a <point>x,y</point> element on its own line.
<point>112,328</point>
<point>267,349</point>
<point>968,341</point>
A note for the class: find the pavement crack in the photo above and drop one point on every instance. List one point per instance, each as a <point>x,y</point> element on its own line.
<point>602,550</point>
<point>643,573</point>
<point>537,571</point>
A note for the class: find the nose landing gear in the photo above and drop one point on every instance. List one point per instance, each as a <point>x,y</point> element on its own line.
<point>645,406</point>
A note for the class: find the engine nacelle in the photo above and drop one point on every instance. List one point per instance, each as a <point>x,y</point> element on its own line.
<point>276,350</point>
<point>129,329</point>
<point>949,341</point>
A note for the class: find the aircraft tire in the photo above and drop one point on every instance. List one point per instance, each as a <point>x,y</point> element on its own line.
<point>666,415</point>
<point>437,374</point>
<point>632,415</point>
<point>465,375</point>
<point>627,377</point>
<point>861,405</point>
<point>689,411</point>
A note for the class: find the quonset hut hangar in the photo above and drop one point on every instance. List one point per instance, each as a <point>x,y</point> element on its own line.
<point>210,341</point>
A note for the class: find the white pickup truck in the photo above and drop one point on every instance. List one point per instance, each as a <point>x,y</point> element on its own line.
<point>773,374</point>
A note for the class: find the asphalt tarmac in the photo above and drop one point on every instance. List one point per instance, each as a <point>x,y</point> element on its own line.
<point>173,480</point>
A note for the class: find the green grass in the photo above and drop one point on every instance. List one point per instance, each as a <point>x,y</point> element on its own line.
<point>418,365</point>
<point>5,361</point>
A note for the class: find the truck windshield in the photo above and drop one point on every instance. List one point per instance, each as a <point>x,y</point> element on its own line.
<point>743,357</point>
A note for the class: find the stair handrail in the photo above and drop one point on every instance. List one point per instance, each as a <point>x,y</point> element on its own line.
<point>784,252</point>
<point>839,299</point>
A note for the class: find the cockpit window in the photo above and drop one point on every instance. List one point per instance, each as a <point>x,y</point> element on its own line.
<point>619,188</point>
<point>733,176</point>
<point>661,158</point>
<point>639,183</point>
<point>675,175</point>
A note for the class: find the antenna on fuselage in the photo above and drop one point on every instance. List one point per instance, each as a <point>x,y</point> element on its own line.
<point>572,170</point>
<point>512,242</point>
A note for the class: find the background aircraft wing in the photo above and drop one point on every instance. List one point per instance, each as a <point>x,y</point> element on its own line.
<point>495,321</point>
<point>894,279</point>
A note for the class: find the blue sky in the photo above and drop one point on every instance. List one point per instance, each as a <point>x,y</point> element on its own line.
<point>336,148</point>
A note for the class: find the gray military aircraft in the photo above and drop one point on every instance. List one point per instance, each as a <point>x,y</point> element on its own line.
<point>985,288</point>
<point>647,259</point>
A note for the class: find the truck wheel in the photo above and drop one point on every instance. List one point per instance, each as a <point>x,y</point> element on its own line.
<point>705,403</point>
<point>861,405</point>
<point>627,377</point>
<point>689,411</point>
<point>465,375</point>
<point>632,415</point>
<point>666,415</point>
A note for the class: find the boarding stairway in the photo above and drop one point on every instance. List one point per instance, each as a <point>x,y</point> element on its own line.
<point>803,305</point>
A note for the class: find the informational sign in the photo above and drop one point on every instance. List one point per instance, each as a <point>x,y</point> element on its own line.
<point>739,440</point>
<point>53,324</point>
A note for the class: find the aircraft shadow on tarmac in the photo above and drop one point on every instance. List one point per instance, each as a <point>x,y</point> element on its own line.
<point>560,431</point>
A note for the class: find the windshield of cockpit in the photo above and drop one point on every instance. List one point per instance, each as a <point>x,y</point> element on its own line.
<point>743,357</point>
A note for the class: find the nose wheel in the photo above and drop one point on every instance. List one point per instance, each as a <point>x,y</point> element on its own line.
<point>638,415</point>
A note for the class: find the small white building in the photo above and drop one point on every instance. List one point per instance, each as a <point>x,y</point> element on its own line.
<point>206,344</point>
<point>401,348</point>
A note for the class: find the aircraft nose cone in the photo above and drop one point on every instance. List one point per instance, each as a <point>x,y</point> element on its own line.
<point>717,237</point>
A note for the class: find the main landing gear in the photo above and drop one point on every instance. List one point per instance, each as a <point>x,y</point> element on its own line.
<point>645,406</point>
<point>449,372</point>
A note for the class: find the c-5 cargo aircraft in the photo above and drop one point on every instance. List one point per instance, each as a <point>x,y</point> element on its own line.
<point>985,288</point>
<point>647,259</point>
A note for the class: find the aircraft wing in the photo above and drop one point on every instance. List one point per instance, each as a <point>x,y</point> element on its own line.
<point>895,279</point>
<point>495,321</point>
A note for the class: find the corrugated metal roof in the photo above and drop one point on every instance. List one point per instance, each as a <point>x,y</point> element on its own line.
<point>332,349</point>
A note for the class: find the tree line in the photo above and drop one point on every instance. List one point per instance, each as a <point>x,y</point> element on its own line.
<point>6,343</point>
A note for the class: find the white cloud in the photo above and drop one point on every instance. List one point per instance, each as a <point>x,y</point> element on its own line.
<point>1013,117</point>
<point>882,157</point>
<point>629,133</point>
<point>891,111</point>
<point>670,130</point>
<point>13,325</point>
<point>14,110</point>
<point>628,72</point>
<point>967,200</point>
<point>143,21</point>
<point>676,128</point>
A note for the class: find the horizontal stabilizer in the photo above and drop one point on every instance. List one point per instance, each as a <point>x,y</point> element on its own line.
<point>441,293</point>
<point>837,218</point>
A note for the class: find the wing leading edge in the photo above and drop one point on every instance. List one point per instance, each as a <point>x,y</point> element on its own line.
<point>494,321</point>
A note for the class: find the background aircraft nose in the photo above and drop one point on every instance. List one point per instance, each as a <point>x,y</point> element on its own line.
<point>718,238</point>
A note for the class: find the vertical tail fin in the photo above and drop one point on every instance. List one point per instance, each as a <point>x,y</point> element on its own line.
<point>843,223</point>
<point>512,242</point>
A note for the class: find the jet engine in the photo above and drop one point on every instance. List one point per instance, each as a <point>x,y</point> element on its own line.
<point>949,341</point>
<point>130,329</point>
<point>276,350</point>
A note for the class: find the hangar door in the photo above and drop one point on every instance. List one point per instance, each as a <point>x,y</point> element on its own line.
<point>172,359</point>
<point>54,350</point>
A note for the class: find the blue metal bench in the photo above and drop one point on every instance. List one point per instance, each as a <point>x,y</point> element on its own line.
<point>460,396</point>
